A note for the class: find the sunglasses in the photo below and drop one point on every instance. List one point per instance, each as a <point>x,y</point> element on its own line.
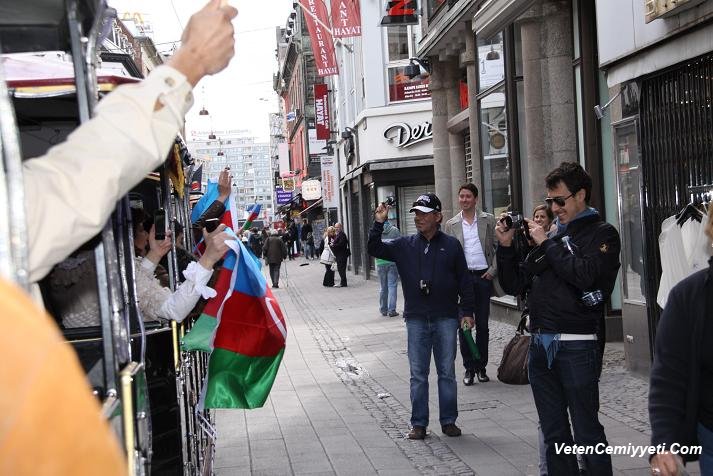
<point>559,201</point>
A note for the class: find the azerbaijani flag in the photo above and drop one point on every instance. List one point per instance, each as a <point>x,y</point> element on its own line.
<point>251,214</point>
<point>245,331</point>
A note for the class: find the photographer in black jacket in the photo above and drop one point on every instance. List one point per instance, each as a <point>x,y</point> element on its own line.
<point>570,276</point>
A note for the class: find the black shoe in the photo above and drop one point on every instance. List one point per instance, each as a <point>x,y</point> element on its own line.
<point>275,286</point>
<point>393,314</point>
<point>383,314</point>
<point>468,378</point>
<point>451,430</point>
<point>417,433</point>
<point>482,376</point>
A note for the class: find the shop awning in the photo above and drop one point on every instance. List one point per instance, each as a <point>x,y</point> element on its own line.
<point>389,164</point>
<point>316,204</point>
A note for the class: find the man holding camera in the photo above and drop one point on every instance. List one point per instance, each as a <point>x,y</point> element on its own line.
<point>434,275</point>
<point>476,233</point>
<point>570,276</point>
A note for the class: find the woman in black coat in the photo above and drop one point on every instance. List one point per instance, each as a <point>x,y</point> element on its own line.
<point>681,388</point>
<point>340,248</point>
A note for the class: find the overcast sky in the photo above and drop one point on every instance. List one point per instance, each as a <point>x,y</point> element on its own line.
<point>240,97</point>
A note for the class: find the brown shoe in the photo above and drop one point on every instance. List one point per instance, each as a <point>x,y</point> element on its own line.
<point>417,433</point>
<point>451,430</point>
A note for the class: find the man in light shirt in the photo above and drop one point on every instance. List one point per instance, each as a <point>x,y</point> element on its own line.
<point>476,232</point>
<point>71,190</point>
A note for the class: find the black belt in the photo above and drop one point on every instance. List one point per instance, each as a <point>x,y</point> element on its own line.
<point>477,271</point>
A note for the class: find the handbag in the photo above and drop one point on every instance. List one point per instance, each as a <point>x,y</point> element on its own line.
<point>334,266</point>
<point>327,257</point>
<point>513,366</point>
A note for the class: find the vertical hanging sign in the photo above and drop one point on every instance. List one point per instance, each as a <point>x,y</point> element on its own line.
<point>317,20</point>
<point>400,12</point>
<point>346,18</point>
<point>321,111</point>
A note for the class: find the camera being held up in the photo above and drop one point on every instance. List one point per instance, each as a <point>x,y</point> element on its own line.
<point>390,201</point>
<point>515,221</point>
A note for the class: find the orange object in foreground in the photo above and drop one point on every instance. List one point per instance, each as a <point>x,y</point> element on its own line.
<point>50,423</point>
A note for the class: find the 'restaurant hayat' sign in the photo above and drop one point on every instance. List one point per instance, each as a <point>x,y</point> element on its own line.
<point>346,18</point>
<point>317,20</point>
<point>321,111</point>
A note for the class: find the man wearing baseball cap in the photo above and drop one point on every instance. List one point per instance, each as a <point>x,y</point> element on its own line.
<point>434,276</point>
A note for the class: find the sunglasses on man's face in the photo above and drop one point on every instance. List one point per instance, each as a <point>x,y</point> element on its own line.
<point>559,201</point>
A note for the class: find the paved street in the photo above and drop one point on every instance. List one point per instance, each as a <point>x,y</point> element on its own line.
<point>340,404</point>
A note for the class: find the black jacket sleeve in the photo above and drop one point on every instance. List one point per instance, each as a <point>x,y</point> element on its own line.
<point>378,248</point>
<point>512,276</point>
<point>670,372</point>
<point>215,210</point>
<point>465,283</point>
<point>587,270</point>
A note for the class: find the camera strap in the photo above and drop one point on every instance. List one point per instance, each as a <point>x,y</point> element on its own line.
<point>426,249</point>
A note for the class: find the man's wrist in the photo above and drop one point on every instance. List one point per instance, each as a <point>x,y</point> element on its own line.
<point>154,257</point>
<point>207,262</point>
<point>187,62</point>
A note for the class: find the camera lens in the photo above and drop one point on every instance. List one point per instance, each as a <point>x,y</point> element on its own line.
<point>507,219</point>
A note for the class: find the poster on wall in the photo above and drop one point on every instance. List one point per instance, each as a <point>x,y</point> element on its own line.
<point>346,18</point>
<point>403,88</point>
<point>330,182</point>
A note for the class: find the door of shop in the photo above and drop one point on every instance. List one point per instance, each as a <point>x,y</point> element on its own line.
<point>676,114</point>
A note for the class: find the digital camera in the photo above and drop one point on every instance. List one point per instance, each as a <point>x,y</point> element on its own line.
<point>425,287</point>
<point>514,220</point>
<point>390,201</point>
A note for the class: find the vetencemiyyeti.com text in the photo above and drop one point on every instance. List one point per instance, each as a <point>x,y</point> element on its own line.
<point>632,450</point>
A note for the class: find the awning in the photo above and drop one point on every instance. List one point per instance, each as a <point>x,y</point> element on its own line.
<point>314,205</point>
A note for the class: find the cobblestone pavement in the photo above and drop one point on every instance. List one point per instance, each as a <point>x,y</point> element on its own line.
<point>340,404</point>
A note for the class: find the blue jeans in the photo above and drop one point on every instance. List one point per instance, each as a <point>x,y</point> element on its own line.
<point>705,439</point>
<point>389,277</point>
<point>438,335</point>
<point>483,289</point>
<point>571,383</point>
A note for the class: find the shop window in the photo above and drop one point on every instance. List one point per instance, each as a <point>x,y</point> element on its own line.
<point>494,150</point>
<point>401,42</point>
<point>491,62</point>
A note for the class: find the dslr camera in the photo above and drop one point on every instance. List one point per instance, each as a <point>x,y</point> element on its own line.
<point>390,201</point>
<point>514,220</point>
<point>425,287</point>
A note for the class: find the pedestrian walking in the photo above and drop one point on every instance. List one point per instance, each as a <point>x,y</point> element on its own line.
<point>570,276</point>
<point>436,284</point>
<point>475,230</point>
<point>340,248</point>
<point>255,242</point>
<point>307,238</point>
<point>275,251</point>
<point>388,275</point>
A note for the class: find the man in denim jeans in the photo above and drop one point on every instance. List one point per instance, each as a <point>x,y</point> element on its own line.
<point>388,275</point>
<point>570,277</point>
<point>434,275</point>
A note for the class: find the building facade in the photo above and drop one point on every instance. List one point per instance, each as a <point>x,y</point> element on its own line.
<point>249,161</point>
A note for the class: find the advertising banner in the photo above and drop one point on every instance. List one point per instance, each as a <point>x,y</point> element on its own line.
<point>316,146</point>
<point>400,12</point>
<point>283,154</point>
<point>317,20</point>
<point>282,197</point>
<point>330,182</point>
<point>321,110</point>
<point>346,18</point>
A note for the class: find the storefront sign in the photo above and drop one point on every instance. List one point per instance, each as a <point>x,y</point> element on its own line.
<point>400,12</point>
<point>402,135</point>
<point>322,42</point>
<point>316,146</point>
<point>321,110</point>
<point>282,197</point>
<point>330,182</point>
<point>311,189</point>
<point>346,18</point>
<point>403,88</point>
<point>288,184</point>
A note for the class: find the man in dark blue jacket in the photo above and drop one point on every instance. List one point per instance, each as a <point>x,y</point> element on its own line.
<point>434,274</point>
